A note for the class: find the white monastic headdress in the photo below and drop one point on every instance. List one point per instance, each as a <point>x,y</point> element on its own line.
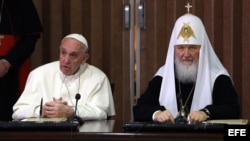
<point>189,29</point>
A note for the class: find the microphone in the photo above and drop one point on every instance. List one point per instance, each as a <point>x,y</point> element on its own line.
<point>77,119</point>
<point>181,118</point>
<point>77,97</point>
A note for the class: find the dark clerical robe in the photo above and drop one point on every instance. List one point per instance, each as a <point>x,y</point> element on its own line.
<point>20,28</point>
<point>224,104</point>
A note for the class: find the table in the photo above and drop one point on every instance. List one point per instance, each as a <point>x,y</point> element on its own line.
<point>107,130</point>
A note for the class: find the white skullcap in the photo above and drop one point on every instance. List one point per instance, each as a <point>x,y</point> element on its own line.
<point>187,30</point>
<point>78,37</point>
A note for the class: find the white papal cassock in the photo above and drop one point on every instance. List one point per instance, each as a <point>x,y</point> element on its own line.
<point>48,81</point>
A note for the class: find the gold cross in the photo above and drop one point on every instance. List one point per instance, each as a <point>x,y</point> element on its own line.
<point>188,6</point>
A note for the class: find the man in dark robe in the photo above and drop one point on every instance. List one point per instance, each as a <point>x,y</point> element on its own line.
<point>20,28</point>
<point>193,85</point>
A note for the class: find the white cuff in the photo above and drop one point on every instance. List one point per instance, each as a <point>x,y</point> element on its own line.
<point>153,117</point>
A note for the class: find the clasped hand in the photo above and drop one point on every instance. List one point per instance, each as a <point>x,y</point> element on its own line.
<point>57,108</point>
<point>193,117</point>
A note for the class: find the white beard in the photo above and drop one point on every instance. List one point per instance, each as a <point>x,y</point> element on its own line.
<point>186,74</point>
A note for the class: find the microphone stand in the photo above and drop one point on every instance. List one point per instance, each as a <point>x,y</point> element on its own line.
<point>77,119</point>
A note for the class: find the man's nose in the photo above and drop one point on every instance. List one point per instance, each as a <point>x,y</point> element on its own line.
<point>66,58</point>
<point>186,52</point>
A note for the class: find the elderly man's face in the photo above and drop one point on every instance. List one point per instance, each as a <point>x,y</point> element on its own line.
<point>187,54</point>
<point>71,56</point>
<point>186,62</point>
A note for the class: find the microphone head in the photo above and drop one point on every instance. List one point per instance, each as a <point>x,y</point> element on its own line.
<point>78,96</point>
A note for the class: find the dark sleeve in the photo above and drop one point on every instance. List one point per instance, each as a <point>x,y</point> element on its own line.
<point>148,103</point>
<point>26,26</point>
<point>22,50</point>
<point>225,101</point>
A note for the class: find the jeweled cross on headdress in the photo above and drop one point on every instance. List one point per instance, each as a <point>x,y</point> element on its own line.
<point>188,6</point>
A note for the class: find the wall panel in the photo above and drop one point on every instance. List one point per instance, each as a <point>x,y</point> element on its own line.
<point>101,22</point>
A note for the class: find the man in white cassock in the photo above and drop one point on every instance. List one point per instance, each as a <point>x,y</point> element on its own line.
<point>192,84</point>
<point>58,82</point>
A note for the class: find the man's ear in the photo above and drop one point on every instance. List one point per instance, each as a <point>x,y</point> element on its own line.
<point>85,57</point>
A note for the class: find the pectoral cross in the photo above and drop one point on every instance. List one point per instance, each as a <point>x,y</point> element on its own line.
<point>182,111</point>
<point>188,6</point>
<point>1,37</point>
